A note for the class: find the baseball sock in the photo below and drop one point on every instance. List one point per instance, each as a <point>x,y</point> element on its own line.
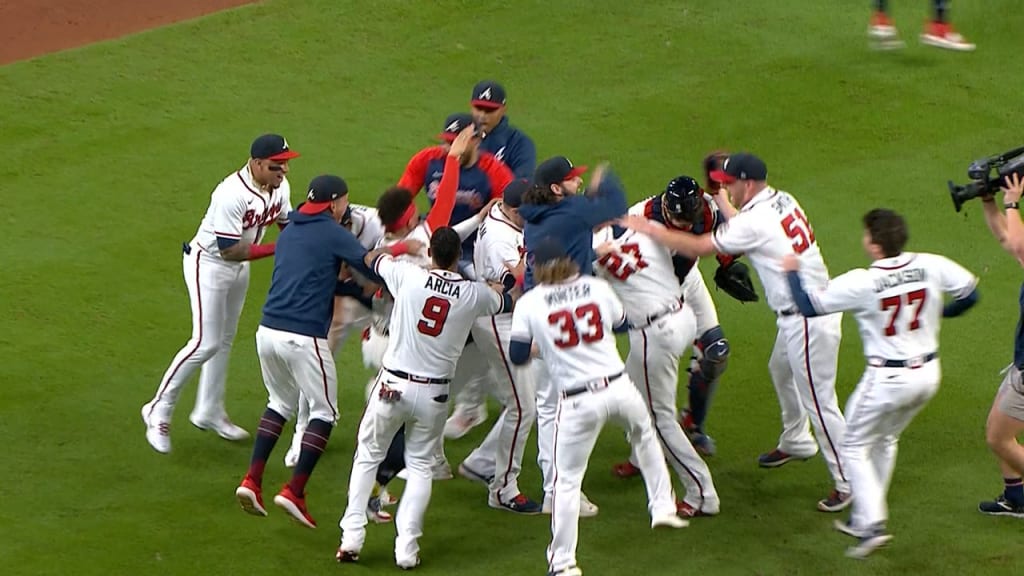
<point>698,400</point>
<point>394,461</point>
<point>941,10</point>
<point>882,6</point>
<point>313,443</point>
<point>1014,492</point>
<point>269,431</point>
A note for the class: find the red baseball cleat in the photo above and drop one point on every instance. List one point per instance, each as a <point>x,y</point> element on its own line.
<point>294,506</point>
<point>625,470</point>
<point>942,35</point>
<point>250,497</point>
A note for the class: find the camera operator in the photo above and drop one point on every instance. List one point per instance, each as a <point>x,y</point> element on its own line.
<point>1006,418</point>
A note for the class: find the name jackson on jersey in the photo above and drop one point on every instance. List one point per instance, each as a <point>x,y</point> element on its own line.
<point>898,278</point>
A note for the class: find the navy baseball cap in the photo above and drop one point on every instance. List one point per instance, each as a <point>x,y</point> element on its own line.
<point>322,191</point>
<point>741,166</point>
<point>514,191</point>
<point>488,94</point>
<point>271,147</point>
<point>556,170</point>
<point>454,124</point>
<point>547,250</point>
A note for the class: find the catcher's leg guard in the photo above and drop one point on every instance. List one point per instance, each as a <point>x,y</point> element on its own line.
<point>710,361</point>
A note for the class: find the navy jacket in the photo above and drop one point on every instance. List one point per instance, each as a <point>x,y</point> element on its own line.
<point>513,147</point>
<point>307,261</point>
<point>572,220</point>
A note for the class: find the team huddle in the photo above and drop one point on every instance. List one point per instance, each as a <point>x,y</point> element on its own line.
<point>514,285</point>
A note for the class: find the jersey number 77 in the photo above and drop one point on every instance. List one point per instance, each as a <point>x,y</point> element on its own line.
<point>570,335</point>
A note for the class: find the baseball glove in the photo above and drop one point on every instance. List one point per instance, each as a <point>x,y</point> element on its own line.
<point>713,162</point>
<point>734,279</point>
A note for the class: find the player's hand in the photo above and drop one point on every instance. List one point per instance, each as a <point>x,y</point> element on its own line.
<point>597,176</point>
<point>487,207</point>
<point>462,142</point>
<point>790,263</point>
<point>1014,188</point>
<point>343,273</point>
<point>605,249</point>
<point>639,224</point>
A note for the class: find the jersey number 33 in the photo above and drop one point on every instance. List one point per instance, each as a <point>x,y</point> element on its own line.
<point>569,323</point>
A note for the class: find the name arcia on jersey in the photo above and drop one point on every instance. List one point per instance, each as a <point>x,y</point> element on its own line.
<point>898,278</point>
<point>567,294</point>
<point>442,286</point>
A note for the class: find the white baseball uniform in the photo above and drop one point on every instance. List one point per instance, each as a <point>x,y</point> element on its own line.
<point>572,323</point>
<point>431,319</point>
<point>499,247</point>
<point>803,362</point>
<point>349,315</point>
<point>240,209</point>
<point>662,326</point>
<point>898,304</point>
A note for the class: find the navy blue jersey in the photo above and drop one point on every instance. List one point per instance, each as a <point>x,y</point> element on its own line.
<point>572,220</point>
<point>708,221</point>
<point>478,183</point>
<point>307,261</point>
<point>513,147</point>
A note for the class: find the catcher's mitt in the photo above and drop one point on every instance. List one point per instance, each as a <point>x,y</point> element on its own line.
<point>713,162</point>
<point>734,279</point>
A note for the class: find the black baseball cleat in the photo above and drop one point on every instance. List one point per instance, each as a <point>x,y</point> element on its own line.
<point>346,555</point>
<point>777,458</point>
<point>1001,507</point>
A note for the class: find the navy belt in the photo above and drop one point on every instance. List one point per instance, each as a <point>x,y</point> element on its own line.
<point>675,307</point>
<point>590,386</point>
<point>417,379</point>
<point>911,363</point>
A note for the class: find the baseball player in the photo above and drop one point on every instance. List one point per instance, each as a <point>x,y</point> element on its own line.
<point>482,177</point>
<point>292,339</point>
<point>768,225</point>
<point>685,206</point>
<point>352,308</point>
<point>516,150</point>
<point>1006,417</point>
<point>499,459</point>
<point>661,327</point>
<point>216,265</point>
<point>898,303</point>
<point>553,208</point>
<point>433,313</point>
<point>938,31</point>
<point>570,319</point>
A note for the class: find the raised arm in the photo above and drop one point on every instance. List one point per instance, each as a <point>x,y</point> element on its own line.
<point>608,200</point>
<point>441,213</point>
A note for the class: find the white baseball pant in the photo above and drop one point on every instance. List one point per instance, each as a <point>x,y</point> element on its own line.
<point>349,316</point>
<point>292,362</point>
<point>547,412</point>
<point>879,410</point>
<point>653,365</point>
<point>578,422</point>
<point>422,409</point>
<point>216,291</point>
<point>500,455</point>
<point>698,299</point>
<point>803,370</point>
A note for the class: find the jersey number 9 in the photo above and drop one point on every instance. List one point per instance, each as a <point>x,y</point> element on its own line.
<point>435,313</point>
<point>566,321</point>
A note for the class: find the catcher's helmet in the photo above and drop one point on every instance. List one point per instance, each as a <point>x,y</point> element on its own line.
<point>683,199</point>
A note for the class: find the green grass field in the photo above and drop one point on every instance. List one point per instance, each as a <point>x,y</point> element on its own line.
<point>114,149</point>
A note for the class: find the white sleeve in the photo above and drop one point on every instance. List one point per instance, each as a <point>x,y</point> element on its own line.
<point>500,253</point>
<point>228,213</point>
<point>955,280</point>
<point>392,271</point>
<point>617,313</point>
<point>521,320</point>
<point>737,235</point>
<point>488,301</point>
<point>849,291</point>
<point>468,227</point>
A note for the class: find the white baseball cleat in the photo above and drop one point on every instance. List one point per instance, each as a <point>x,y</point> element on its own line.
<point>868,544</point>
<point>408,563</point>
<point>587,508</point>
<point>942,35</point>
<point>669,521</point>
<point>223,426</point>
<point>158,426</point>
<point>464,419</point>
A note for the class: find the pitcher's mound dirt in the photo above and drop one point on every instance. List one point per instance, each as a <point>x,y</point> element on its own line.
<point>35,27</point>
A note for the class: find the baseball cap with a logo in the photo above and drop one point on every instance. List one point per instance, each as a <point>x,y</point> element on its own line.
<point>556,170</point>
<point>514,191</point>
<point>742,166</point>
<point>454,124</point>
<point>488,94</point>
<point>322,191</point>
<point>271,147</point>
